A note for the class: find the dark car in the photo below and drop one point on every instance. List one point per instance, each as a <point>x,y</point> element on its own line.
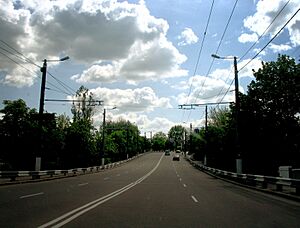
<point>167,153</point>
<point>176,157</point>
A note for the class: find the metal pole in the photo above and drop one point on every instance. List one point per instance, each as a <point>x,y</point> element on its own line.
<point>237,113</point>
<point>103,139</point>
<point>40,120</point>
<point>43,86</point>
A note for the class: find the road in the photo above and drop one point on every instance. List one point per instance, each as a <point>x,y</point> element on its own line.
<point>150,191</point>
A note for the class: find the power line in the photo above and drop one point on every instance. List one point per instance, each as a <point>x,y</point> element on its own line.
<point>219,45</point>
<point>270,40</point>
<point>264,31</point>
<point>200,50</point>
<point>19,55</point>
<point>25,58</point>
<point>267,28</point>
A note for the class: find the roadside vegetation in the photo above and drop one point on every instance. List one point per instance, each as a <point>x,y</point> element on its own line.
<point>268,131</point>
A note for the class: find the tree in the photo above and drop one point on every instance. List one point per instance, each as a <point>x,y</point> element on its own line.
<point>82,109</point>
<point>19,129</point>
<point>159,141</point>
<point>270,117</point>
<point>176,136</point>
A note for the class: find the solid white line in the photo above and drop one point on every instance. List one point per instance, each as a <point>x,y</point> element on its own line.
<point>194,198</point>
<point>31,195</point>
<point>89,206</point>
<point>82,184</point>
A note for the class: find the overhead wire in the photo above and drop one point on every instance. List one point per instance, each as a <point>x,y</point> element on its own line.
<point>251,47</point>
<point>270,40</point>
<point>200,51</point>
<point>219,45</point>
<point>21,56</point>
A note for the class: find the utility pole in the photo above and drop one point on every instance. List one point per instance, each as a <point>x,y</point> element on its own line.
<point>41,111</point>
<point>239,164</point>
<point>103,138</point>
<point>237,112</point>
<point>191,138</point>
<point>205,156</point>
<point>40,120</point>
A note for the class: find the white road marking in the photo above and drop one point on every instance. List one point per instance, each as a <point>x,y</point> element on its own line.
<point>118,175</point>
<point>180,179</point>
<point>68,217</point>
<point>194,198</point>
<point>184,185</point>
<point>106,178</point>
<point>82,184</point>
<point>31,195</point>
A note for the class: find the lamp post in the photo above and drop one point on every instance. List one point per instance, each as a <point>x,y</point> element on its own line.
<point>41,107</point>
<point>237,112</point>
<point>103,135</point>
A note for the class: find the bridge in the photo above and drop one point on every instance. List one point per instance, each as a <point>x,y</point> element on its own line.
<point>149,191</point>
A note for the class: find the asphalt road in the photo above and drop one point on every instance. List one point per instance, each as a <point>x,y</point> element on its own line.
<point>150,191</point>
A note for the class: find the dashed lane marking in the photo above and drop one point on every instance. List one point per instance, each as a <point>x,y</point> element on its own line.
<point>31,195</point>
<point>194,198</point>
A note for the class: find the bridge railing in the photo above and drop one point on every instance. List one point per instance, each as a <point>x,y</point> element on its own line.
<point>274,184</point>
<point>33,175</point>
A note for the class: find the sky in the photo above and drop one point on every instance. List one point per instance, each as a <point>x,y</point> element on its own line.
<point>143,57</point>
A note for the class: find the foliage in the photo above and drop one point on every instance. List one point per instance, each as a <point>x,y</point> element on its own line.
<point>159,141</point>
<point>176,137</point>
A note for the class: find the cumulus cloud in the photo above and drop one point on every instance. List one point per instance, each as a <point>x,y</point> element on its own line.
<point>217,85</point>
<point>116,40</point>
<point>134,100</point>
<point>145,123</point>
<point>244,38</point>
<point>279,48</point>
<point>187,37</point>
<point>264,15</point>
<point>205,90</point>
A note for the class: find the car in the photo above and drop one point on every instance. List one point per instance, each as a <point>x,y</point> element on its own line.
<point>167,153</point>
<point>176,157</point>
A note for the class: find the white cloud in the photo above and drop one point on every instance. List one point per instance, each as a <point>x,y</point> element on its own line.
<point>247,69</point>
<point>279,48</point>
<point>144,123</point>
<point>187,37</point>
<point>205,89</point>
<point>266,12</point>
<point>134,100</point>
<point>125,37</point>
<point>244,38</point>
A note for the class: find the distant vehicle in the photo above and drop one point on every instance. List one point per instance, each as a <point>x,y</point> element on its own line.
<point>176,157</point>
<point>167,153</point>
<point>178,151</point>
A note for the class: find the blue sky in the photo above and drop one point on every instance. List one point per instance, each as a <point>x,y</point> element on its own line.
<point>140,56</point>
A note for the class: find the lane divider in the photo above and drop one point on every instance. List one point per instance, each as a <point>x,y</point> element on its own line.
<point>194,198</point>
<point>68,217</point>
<point>31,195</point>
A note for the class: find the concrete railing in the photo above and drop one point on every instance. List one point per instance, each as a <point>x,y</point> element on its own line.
<point>275,184</point>
<point>14,175</point>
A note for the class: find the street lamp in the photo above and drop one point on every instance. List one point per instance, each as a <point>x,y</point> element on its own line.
<point>237,106</point>
<point>103,134</point>
<point>41,107</point>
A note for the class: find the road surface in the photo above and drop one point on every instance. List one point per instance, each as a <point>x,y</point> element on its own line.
<point>150,191</point>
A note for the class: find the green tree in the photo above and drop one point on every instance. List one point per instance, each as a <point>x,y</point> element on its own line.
<point>82,108</point>
<point>176,137</point>
<point>159,141</point>
<point>18,132</point>
<point>270,131</point>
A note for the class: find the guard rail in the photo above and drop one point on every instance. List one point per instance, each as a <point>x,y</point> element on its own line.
<point>275,184</point>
